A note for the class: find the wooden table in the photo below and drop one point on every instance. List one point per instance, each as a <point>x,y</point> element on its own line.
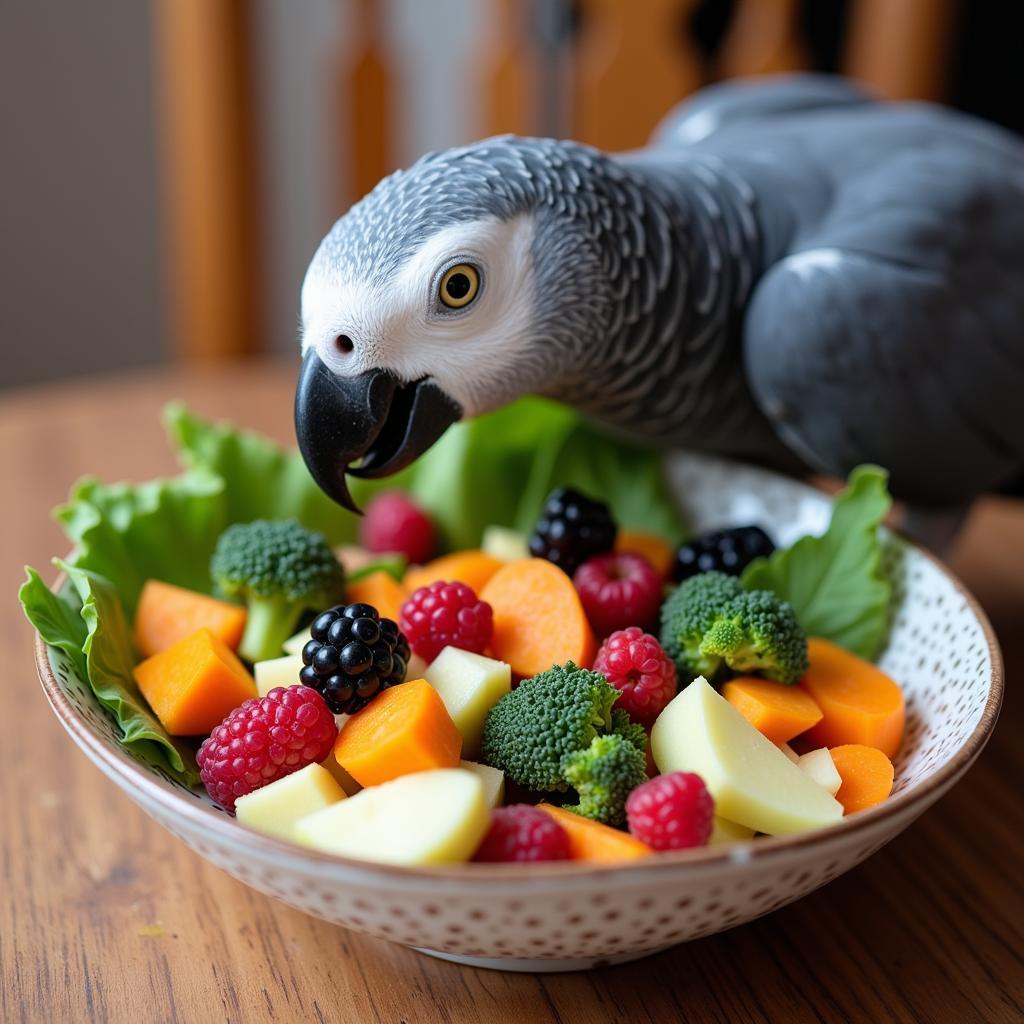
<point>105,916</point>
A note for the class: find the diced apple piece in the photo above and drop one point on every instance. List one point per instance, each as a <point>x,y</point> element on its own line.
<point>276,808</point>
<point>277,672</point>
<point>504,544</point>
<point>429,817</point>
<point>819,766</point>
<point>492,778</point>
<point>789,752</point>
<point>294,644</point>
<point>752,782</point>
<point>470,685</point>
<point>723,832</point>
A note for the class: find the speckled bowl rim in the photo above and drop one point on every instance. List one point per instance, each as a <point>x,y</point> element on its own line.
<point>764,848</point>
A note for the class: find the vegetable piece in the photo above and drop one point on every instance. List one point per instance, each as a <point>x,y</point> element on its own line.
<point>404,729</point>
<point>859,702</point>
<point>277,672</point>
<point>591,841</point>
<point>492,778</point>
<point>778,712</point>
<point>430,817</point>
<point>538,618</point>
<point>655,549</point>
<point>280,569</point>
<point>723,831</point>
<point>819,766</point>
<point>166,614</point>
<point>604,774</point>
<point>710,624</point>
<point>276,807</point>
<point>867,776</point>
<point>504,544</point>
<point>474,568</point>
<point>470,685</point>
<point>835,582</point>
<point>295,643</point>
<point>194,684</point>
<point>380,590</point>
<point>752,782</point>
<point>548,717</point>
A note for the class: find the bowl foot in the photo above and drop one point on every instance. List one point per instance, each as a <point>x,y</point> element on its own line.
<point>541,966</point>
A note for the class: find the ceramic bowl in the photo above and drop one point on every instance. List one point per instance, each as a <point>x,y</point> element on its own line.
<point>566,916</point>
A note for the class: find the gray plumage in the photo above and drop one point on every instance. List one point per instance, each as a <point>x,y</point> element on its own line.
<point>791,272</point>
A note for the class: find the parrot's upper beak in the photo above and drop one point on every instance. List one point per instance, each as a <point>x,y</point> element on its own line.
<point>373,417</point>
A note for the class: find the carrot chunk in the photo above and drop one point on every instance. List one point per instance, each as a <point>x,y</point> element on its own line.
<point>867,776</point>
<point>655,549</point>
<point>591,841</point>
<point>382,591</point>
<point>167,614</point>
<point>474,568</point>
<point>405,729</point>
<point>858,701</point>
<point>538,618</point>
<point>193,684</point>
<point>777,711</point>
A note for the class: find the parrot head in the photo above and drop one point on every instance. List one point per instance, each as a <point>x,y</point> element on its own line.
<point>454,287</point>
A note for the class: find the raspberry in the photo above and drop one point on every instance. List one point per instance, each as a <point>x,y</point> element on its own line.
<point>671,812</point>
<point>446,615</point>
<point>636,664</point>
<point>729,551</point>
<point>618,590</point>
<point>520,832</point>
<point>263,740</point>
<point>571,528</point>
<point>394,522</point>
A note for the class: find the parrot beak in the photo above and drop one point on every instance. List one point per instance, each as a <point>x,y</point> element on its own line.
<point>373,417</point>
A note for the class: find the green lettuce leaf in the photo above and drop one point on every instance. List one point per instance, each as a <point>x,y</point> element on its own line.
<point>835,582</point>
<point>55,618</point>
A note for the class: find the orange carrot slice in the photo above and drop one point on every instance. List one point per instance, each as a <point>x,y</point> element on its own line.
<point>167,614</point>
<point>858,701</point>
<point>381,590</point>
<point>777,711</point>
<point>192,685</point>
<point>405,729</point>
<point>538,618</point>
<point>867,776</point>
<point>591,841</point>
<point>474,568</point>
<point>655,549</point>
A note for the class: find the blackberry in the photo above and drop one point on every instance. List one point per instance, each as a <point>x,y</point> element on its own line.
<point>571,529</point>
<point>729,551</point>
<point>352,655</point>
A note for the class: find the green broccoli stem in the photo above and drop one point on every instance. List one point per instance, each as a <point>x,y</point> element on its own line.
<point>271,620</point>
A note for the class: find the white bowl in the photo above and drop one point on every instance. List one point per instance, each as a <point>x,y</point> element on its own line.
<point>564,916</point>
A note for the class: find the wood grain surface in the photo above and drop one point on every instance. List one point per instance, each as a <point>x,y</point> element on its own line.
<point>105,916</point>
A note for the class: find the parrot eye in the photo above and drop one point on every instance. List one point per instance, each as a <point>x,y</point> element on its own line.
<point>459,286</point>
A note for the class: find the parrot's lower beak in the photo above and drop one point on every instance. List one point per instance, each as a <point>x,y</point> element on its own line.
<point>373,417</point>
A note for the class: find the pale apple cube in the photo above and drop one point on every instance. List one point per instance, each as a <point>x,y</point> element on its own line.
<point>276,808</point>
<point>470,685</point>
<point>504,544</point>
<point>752,782</point>
<point>723,831</point>
<point>277,672</point>
<point>819,766</point>
<point>789,752</point>
<point>294,644</point>
<point>430,817</point>
<point>492,778</point>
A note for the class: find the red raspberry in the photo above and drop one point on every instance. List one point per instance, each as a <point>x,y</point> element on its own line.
<point>263,740</point>
<point>446,615</point>
<point>394,522</point>
<point>618,590</point>
<point>636,664</point>
<point>521,832</point>
<point>671,812</point>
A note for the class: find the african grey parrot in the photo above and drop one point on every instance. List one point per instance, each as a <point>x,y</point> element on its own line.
<point>791,272</point>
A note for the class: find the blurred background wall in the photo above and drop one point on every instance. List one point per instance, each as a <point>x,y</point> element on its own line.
<point>110,198</point>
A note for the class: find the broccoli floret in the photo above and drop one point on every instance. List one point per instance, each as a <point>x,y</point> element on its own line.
<point>711,624</point>
<point>604,775</point>
<point>553,714</point>
<point>624,726</point>
<point>280,569</point>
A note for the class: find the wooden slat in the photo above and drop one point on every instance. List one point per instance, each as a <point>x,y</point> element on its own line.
<point>902,47</point>
<point>207,174</point>
<point>507,70</point>
<point>631,66</point>
<point>763,38</point>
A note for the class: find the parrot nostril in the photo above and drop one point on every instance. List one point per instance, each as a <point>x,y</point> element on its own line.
<point>343,345</point>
